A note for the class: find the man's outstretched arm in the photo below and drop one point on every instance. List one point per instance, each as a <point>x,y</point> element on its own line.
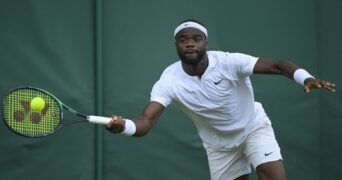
<point>292,71</point>
<point>141,125</point>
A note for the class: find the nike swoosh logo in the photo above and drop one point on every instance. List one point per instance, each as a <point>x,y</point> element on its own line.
<point>216,83</point>
<point>267,154</point>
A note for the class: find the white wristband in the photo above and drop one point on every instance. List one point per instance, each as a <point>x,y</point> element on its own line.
<point>130,128</point>
<point>300,75</point>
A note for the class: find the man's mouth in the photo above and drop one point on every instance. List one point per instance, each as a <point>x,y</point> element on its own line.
<point>190,52</point>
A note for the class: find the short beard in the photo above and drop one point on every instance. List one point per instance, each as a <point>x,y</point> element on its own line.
<point>192,62</point>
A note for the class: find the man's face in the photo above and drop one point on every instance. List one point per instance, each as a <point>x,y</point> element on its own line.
<point>191,45</point>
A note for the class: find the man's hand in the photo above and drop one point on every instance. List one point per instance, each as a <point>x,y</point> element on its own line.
<point>116,125</point>
<point>312,83</point>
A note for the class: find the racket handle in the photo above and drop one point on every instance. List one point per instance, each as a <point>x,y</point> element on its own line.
<point>99,119</point>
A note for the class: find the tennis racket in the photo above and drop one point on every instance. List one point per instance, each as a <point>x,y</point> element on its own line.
<point>40,118</point>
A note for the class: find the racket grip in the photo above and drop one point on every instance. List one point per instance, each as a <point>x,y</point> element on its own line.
<point>98,119</point>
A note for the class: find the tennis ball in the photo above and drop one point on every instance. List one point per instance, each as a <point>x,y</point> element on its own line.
<point>37,104</point>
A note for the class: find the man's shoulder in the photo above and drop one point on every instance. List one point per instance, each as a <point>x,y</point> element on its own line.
<point>171,71</point>
<point>216,53</point>
<point>172,68</point>
<point>218,56</point>
<point>229,57</point>
<point>222,54</point>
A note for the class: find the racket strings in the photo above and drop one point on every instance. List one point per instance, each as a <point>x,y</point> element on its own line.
<point>20,118</point>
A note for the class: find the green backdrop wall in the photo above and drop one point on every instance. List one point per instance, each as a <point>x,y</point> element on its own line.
<point>103,56</point>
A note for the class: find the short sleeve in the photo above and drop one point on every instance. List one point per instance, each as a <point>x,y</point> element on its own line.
<point>242,64</point>
<point>160,94</point>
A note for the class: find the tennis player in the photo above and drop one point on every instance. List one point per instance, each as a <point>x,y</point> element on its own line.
<point>214,89</point>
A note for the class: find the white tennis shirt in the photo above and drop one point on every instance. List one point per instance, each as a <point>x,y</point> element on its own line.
<point>220,103</point>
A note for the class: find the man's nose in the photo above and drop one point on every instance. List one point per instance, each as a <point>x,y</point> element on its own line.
<point>189,43</point>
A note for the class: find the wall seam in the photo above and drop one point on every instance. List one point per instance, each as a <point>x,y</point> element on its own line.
<point>98,88</point>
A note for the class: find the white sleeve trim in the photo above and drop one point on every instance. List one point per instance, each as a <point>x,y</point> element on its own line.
<point>160,100</point>
<point>251,66</point>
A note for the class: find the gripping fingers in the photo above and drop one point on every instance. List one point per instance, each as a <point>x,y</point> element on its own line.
<point>116,125</point>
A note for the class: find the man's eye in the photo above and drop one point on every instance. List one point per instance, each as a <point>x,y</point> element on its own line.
<point>182,40</point>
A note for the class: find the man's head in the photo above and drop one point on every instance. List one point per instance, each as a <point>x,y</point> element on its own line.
<point>191,41</point>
